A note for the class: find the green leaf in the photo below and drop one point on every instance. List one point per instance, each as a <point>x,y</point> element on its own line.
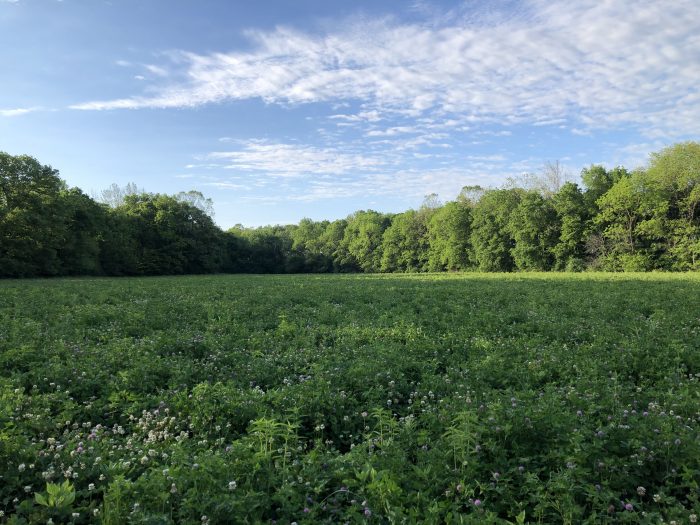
<point>68,499</point>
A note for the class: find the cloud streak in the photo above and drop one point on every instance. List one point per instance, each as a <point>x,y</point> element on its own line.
<point>273,159</point>
<point>303,173</point>
<point>596,64</point>
<point>17,111</point>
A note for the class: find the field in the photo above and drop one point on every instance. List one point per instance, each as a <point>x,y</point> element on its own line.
<point>538,398</point>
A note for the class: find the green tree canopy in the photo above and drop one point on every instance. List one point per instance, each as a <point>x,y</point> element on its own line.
<point>491,237</point>
<point>405,243</point>
<point>573,216</point>
<point>32,217</point>
<point>361,245</point>
<point>534,228</point>
<point>449,230</point>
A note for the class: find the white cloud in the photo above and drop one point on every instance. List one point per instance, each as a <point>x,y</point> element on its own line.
<point>422,140</point>
<point>292,160</point>
<point>389,132</point>
<point>549,122</point>
<point>17,111</point>
<point>156,70</point>
<point>633,155</point>
<point>224,185</point>
<point>486,158</point>
<point>305,173</point>
<point>409,184</point>
<point>594,63</point>
<point>362,116</point>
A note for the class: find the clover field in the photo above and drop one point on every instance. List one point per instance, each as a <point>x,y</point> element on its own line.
<point>453,398</point>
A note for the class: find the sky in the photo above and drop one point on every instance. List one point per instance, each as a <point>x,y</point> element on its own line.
<point>280,110</point>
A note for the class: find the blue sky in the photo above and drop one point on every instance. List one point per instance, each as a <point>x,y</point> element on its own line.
<point>280,110</point>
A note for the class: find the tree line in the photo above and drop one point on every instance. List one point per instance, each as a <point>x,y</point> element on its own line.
<point>618,220</point>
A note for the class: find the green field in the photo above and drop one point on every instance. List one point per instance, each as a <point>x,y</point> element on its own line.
<point>538,398</point>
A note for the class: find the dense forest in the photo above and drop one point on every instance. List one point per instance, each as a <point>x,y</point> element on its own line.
<point>620,220</point>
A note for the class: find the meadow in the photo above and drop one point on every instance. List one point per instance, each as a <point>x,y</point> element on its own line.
<point>451,398</point>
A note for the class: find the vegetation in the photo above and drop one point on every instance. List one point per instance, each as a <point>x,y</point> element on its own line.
<point>648,219</point>
<point>442,398</point>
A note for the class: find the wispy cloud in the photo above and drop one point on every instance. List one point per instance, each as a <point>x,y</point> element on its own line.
<point>225,185</point>
<point>589,64</point>
<point>362,116</point>
<point>411,184</point>
<point>293,160</point>
<point>487,158</point>
<point>290,172</point>
<point>390,132</point>
<point>17,111</point>
<point>156,70</point>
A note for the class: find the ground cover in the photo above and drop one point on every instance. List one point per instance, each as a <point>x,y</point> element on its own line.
<point>480,398</point>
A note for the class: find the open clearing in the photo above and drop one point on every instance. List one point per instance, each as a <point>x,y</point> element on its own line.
<point>552,398</point>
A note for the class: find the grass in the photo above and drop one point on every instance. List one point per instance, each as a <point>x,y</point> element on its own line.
<point>478,398</point>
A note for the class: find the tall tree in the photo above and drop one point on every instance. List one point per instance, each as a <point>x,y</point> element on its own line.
<point>534,228</point>
<point>198,200</point>
<point>405,243</point>
<point>173,237</point>
<point>449,230</point>
<point>573,216</point>
<point>491,237</point>
<point>631,217</point>
<point>597,181</point>
<point>674,172</point>
<point>308,242</point>
<point>269,248</point>
<point>119,243</point>
<point>361,247</point>
<point>547,182</point>
<point>85,225</point>
<point>32,217</point>
<point>114,195</point>
<point>331,242</point>
<point>470,195</point>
